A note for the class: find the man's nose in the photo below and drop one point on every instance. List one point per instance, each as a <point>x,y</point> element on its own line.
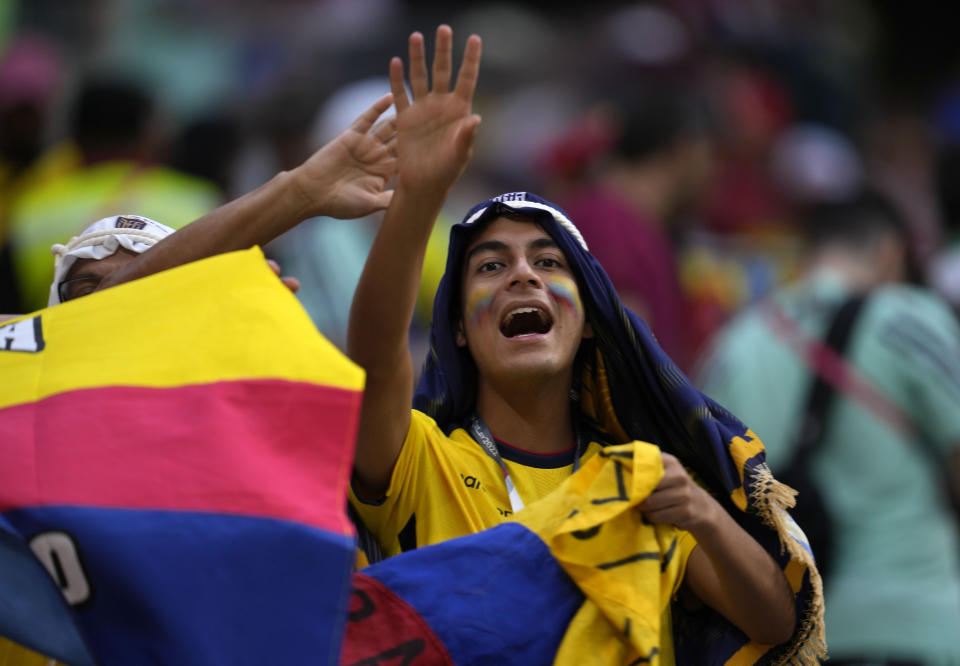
<point>523,273</point>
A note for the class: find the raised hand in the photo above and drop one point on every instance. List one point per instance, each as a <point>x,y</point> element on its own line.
<point>347,178</point>
<point>436,129</point>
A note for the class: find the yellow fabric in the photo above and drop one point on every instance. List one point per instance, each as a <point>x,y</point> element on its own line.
<point>57,209</point>
<point>743,449</point>
<point>453,488</point>
<point>360,559</point>
<point>14,654</point>
<point>596,403</point>
<point>57,162</point>
<point>231,324</point>
<point>628,569</point>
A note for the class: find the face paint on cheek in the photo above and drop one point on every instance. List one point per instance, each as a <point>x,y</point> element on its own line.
<point>478,304</point>
<point>564,291</point>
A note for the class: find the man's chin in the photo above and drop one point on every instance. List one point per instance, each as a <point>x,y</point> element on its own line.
<point>523,368</point>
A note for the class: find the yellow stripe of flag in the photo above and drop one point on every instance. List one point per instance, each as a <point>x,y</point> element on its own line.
<point>219,314</point>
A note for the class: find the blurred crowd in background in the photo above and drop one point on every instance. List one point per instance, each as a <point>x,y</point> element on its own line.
<point>689,140</point>
<point>686,138</point>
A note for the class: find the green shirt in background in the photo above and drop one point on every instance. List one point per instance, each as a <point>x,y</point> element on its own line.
<point>895,590</point>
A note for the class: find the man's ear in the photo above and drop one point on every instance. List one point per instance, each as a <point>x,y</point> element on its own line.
<point>587,330</point>
<point>461,337</point>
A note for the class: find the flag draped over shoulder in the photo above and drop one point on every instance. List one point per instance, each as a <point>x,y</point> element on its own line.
<point>576,578</point>
<point>174,455</point>
<point>629,389</point>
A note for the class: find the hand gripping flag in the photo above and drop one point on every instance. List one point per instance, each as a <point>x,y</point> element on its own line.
<point>174,455</point>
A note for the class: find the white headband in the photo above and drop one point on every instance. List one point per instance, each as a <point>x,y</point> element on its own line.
<point>100,240</point>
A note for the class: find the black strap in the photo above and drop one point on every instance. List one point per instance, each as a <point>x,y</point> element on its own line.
<point>821,393</point>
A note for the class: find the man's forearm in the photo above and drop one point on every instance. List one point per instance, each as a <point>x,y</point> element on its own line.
<point>751,591</point>
<point>378,334</point>
<point>386,294</point>
<point>253,219</point>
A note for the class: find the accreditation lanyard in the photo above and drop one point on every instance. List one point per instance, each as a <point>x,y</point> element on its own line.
<point>481,433</point>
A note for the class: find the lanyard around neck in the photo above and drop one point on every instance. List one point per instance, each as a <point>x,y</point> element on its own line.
<point>481,433</point>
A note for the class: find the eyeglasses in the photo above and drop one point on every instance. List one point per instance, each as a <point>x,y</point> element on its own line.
<point>78,286</point>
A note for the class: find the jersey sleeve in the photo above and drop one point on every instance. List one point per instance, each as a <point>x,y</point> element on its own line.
<point>388,517</point>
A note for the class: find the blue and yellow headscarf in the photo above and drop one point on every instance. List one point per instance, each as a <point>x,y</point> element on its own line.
<point>629,389</point>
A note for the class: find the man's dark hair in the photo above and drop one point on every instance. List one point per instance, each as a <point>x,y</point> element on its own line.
<point>856,221</point>
<point>948,185</point>
<point>207,147</point>
<point>109,114</point>
<point>654,120</point>
<point>853,221</point>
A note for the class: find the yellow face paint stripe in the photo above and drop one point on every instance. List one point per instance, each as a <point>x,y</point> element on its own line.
<point>565,292</point>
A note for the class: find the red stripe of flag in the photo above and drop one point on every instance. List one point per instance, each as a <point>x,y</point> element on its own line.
<point>262,447</point>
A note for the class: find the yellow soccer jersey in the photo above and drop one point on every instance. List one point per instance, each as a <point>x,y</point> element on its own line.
<point>445,487</point>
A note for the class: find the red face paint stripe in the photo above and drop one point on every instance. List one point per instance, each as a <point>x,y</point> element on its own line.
<point>270,448</point>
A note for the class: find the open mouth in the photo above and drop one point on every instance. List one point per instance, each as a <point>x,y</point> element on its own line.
<point>525,321</point>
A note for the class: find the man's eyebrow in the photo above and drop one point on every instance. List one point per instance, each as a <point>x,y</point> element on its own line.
<point>541,243</point>
<point>485,246</point>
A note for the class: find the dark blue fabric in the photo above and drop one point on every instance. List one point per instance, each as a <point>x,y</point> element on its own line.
<point>652,398</point>
<point>173,587</point>
<point>495,597</point>
<point>32,610</point>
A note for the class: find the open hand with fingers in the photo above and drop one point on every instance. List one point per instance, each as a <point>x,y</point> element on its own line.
<point>347,178</point>
<point>436,128</point>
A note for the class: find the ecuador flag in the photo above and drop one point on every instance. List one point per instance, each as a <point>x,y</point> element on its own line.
<point>174,455</point>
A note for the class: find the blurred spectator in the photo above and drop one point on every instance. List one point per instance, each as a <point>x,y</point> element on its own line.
<point>630,214</point>
<point>900,154</point>
<point>208,148</point>
<point>112,131</point>
<point>30,73</point>
<point>944,268</point>
<point>943,271</point>
<point>753,108</point>
<point>889,439</point>
<point>724,271</point>
<point>812,163</point>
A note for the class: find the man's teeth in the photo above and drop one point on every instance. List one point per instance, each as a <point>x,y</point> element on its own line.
<point>512,313</point>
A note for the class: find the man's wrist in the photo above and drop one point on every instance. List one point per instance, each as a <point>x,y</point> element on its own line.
<point>420,200</point>
<point>423,188</point>
<point>712,520</point>
<point>299,195</point>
